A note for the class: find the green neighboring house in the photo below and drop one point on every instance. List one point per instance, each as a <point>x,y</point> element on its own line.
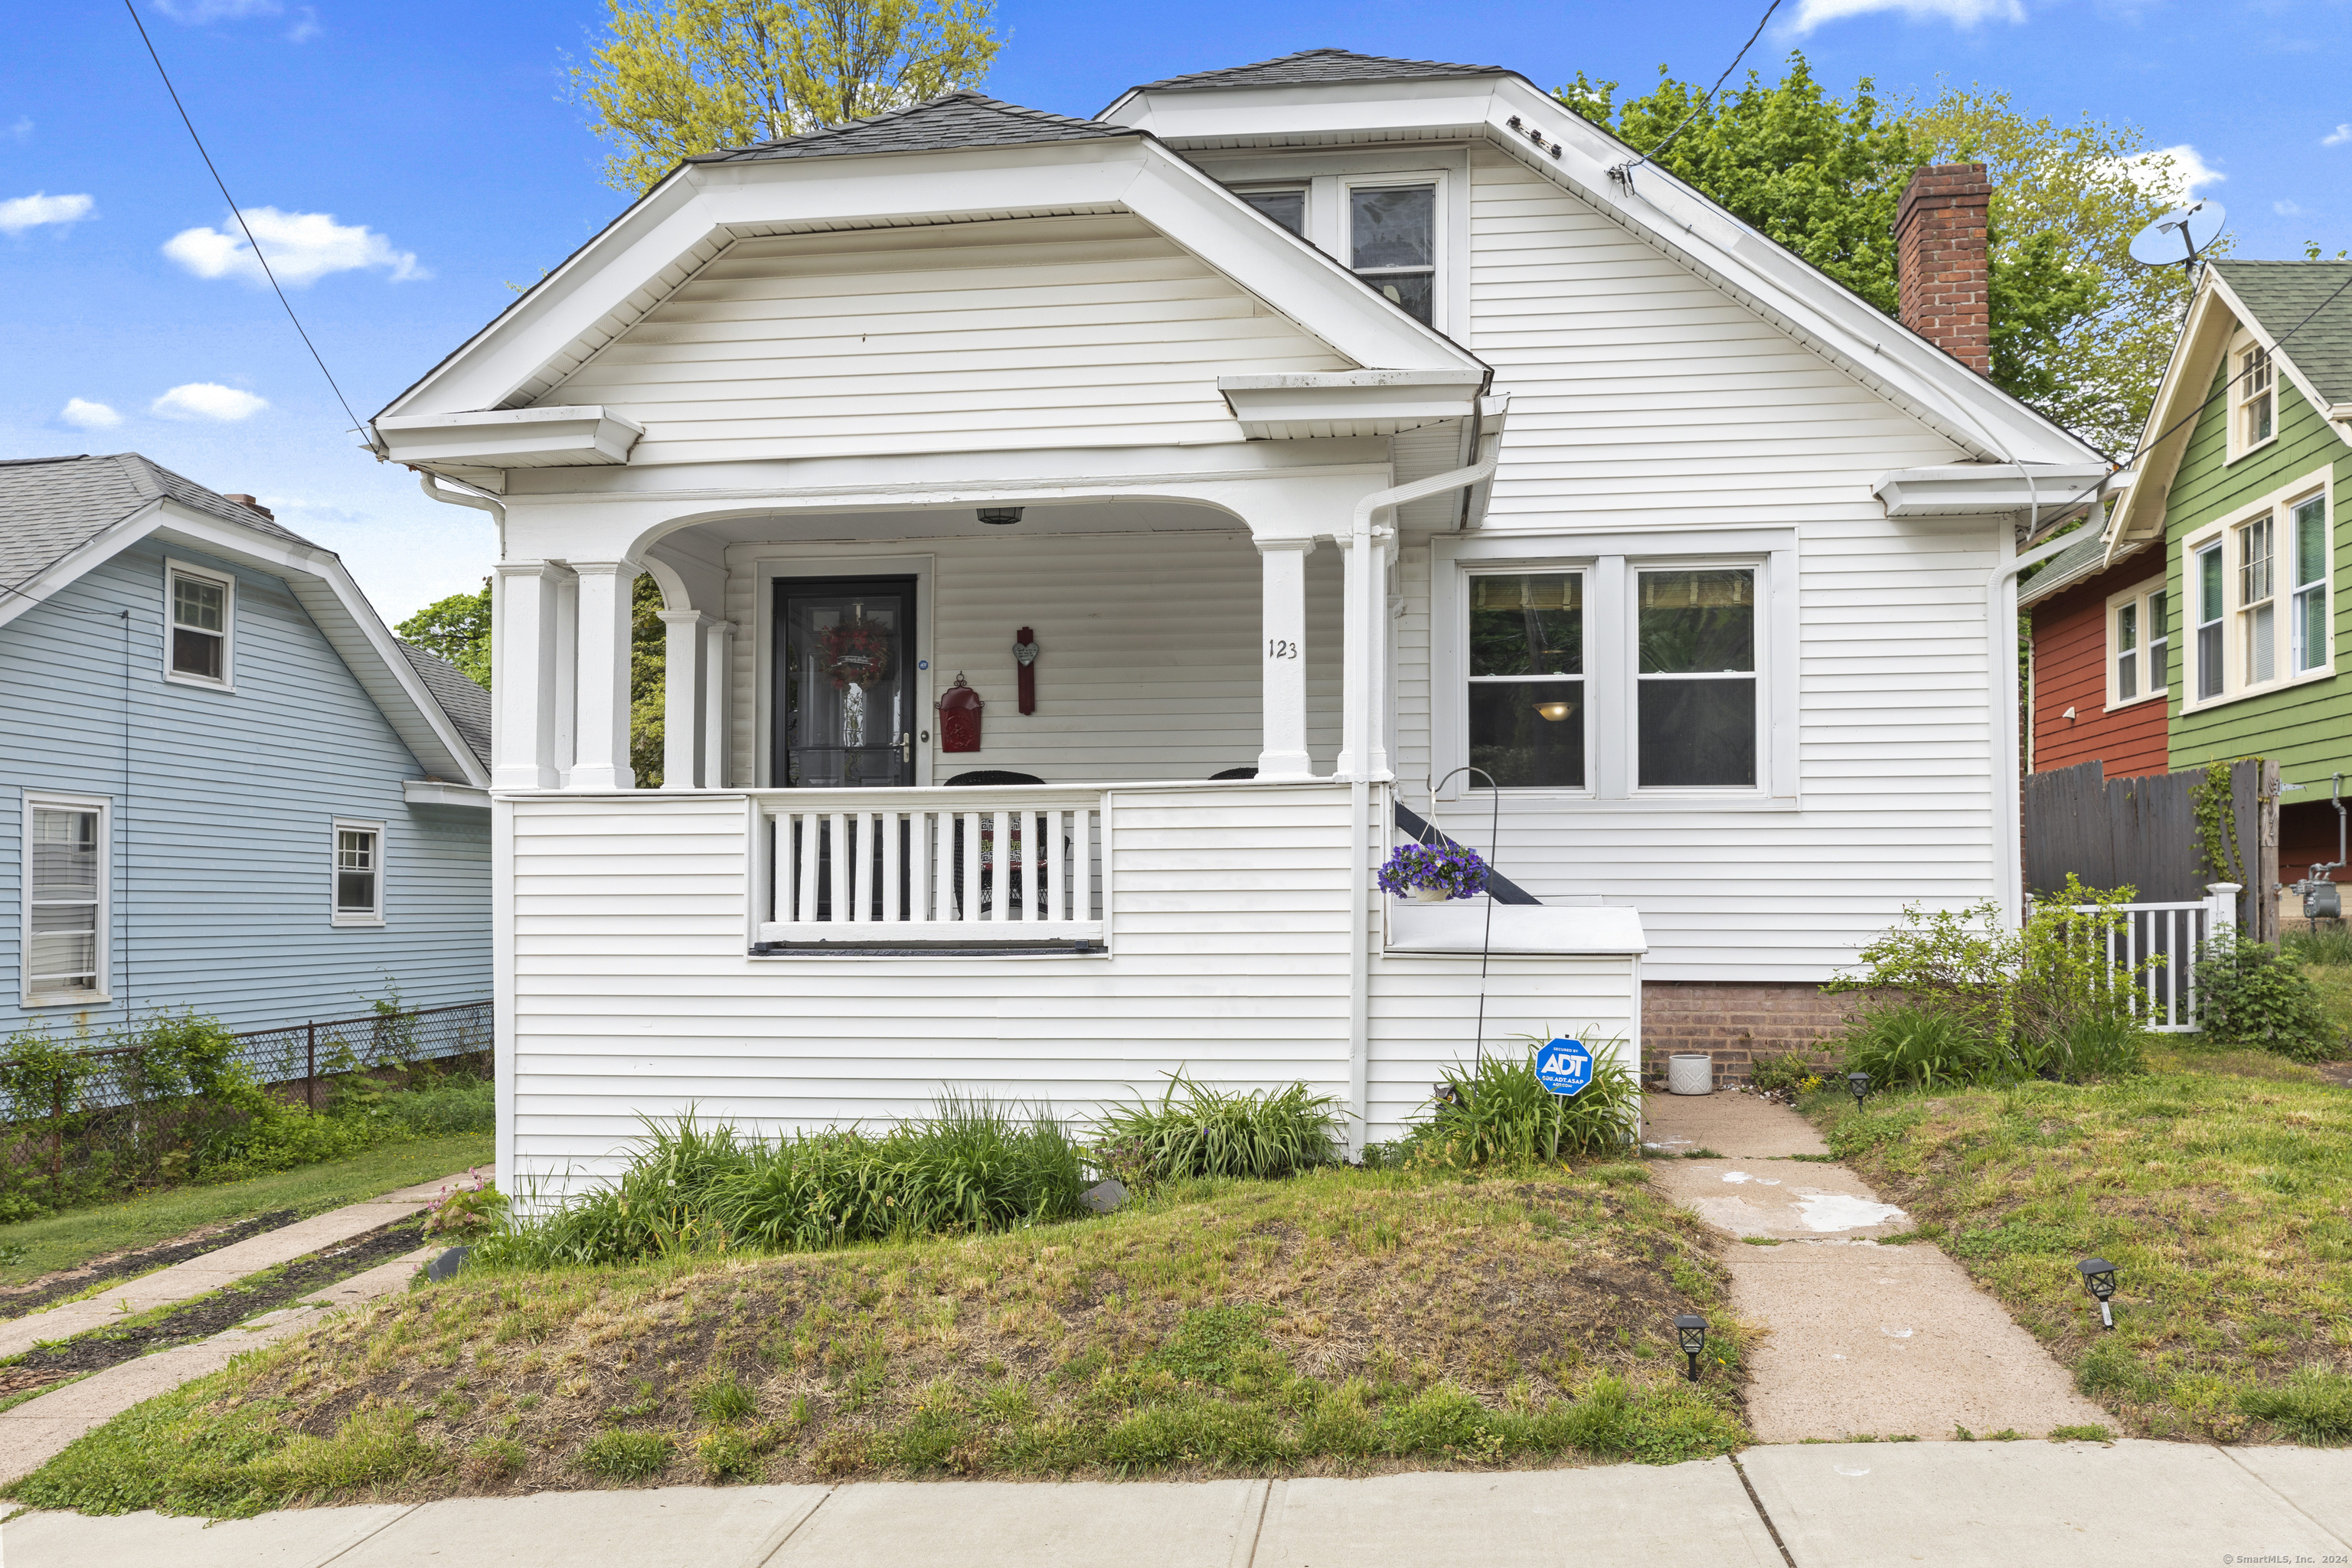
<point>2250,445</point>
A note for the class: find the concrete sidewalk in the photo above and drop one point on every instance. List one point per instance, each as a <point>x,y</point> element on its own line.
<point>2152,1505</point>
<point>232,1263</point>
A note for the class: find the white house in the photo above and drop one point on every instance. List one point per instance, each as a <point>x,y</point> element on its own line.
<point>1353,420</point>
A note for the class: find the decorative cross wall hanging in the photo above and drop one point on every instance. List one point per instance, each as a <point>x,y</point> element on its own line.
<point>1024,654</point>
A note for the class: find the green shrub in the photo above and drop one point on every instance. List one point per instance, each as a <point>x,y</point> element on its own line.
<point>1791,1071</point>
<point>1194,1129</point>
<point>1499,1112</point>
<point>618,1456</point>
<point>1907,1046</point>
<point>2251,995</point>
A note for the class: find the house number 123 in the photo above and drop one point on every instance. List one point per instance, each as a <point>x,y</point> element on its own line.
<point>1277,648</point>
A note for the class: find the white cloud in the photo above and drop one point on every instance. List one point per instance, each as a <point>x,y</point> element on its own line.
<point>1960,12</point>
<point>207,400</point>
<point>85,415</point>
<point>22,130</point>
<point>2337,137</point>
<point>2285,209</point>
<point>197,12</point>
<point>21,213</point>
<point>303,248</point>
<point>2172,174</point>
<point>305,25</point>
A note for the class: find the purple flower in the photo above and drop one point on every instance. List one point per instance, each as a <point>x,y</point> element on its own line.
<point>1456,869</point>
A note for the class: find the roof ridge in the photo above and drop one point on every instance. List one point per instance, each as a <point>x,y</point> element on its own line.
<point>825,136</point>
<point>1411,67</point>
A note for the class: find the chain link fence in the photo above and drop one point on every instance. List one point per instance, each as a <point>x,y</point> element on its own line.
<point>78,1124</point>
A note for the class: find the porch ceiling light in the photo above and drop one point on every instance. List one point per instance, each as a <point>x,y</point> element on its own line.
<point>1859,1082</point>
<point>1000,515</point>
<point>1555,711</point>
<point>1690,1332</point>
<point>2099,1279</point>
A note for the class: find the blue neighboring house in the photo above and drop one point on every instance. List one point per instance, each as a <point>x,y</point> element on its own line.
<point>233,788</point>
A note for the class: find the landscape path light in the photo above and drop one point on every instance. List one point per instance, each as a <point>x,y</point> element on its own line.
<point>1691,1331</point>
<point>2099,1279</point>
<point>1860,1083</point>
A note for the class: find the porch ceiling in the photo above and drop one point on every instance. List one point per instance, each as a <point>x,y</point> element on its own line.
<point>962,522</point>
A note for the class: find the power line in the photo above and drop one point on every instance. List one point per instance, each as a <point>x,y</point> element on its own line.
<point>238,213</point>
<point>1623,173</point>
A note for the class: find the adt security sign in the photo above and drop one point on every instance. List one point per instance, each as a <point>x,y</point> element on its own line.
<point>1565,1067</point>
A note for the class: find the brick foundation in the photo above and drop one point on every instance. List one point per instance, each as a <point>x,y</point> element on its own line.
<point>1736,1022</point>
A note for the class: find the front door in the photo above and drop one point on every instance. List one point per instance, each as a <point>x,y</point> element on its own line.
<point>845,682</point>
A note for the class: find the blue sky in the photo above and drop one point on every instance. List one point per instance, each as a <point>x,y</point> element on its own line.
<point>415,157</point>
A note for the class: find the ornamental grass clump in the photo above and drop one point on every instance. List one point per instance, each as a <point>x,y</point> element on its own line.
<point>1497,1112</point>
<point>1452,869</point>
<point>1194,1129</point>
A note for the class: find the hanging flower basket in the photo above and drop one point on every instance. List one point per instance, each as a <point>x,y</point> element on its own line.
<point>1433,873</point>
<point>856,653</point>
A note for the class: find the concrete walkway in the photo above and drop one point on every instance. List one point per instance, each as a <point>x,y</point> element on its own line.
<point>1864,1340</point>
<point>182,1281</point>
<point>2151,1505</point>
<point>34,1432</point>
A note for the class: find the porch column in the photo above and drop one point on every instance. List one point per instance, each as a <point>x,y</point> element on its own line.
<point>682,706</point>
<point>1355,634</point>
<point>525,657</point>
<point>718,669</point>
<point>600,744</point>
<point>1282,564</point>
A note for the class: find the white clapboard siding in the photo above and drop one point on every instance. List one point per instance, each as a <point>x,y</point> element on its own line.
<point>1045,332</point>
<point>1642,398</point>
<point>1149,662</point>
<point>1424,1017</point>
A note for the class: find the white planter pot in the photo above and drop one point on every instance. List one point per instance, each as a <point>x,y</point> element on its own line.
<point>1690,1073</point>
<point>1429,895</point>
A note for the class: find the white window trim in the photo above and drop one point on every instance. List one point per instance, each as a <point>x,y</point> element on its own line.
<point>1609,562</point>
<point>2159,690</point>
<point>1440,223</point>
<point>228,585</point>
<point>26,996</point>
<point>1583,572</point>
<point>2236,446</point>
<point>336,914</point>
<point>2280,504</point>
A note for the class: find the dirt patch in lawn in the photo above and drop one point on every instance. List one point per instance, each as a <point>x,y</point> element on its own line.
<point>1337,1322</point>
<point>17,1301</point>
<point>208,1314</point>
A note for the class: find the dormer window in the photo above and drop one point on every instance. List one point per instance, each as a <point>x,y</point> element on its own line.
<point>2253,398</point>
<point>1393,242</point>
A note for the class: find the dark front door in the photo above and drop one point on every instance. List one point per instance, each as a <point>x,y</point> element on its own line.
<point>844,687</point>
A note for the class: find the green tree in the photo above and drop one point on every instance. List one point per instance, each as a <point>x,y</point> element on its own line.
<point>679,76</point>
<point>458,628</point>
<point>1823,177</point>
<point>2067,199</point>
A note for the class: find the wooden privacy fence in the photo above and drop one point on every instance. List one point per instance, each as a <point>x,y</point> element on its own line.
<point>2141,833</point>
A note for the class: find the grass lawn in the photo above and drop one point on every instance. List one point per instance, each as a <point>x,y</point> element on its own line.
<point>1341,1321</point>
<point>2219,1184</point>
<point>38,1247</point>
<point>2334,983</point>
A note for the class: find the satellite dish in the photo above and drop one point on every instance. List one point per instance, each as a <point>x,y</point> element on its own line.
<point>2176,236</point>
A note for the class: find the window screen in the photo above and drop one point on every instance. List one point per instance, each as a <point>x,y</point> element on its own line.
<point>358,874</point>
<point>199,628</point>
<point>1526,684</point>
<point>1392,243</point>
<point>1695,717</point>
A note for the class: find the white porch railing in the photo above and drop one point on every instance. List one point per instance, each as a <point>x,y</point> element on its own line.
<point>1009,866</point>
<point>2166,993</point>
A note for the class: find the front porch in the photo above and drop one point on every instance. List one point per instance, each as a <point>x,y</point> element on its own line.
<point>669,951</point>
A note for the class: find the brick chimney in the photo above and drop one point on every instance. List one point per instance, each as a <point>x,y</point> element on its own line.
<point>256,505</point>
<point>1940,262</point>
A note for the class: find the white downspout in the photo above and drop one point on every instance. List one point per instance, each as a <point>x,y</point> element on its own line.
<point>425,478</point>
<point>2001,647</point>
<point>1358,724</point>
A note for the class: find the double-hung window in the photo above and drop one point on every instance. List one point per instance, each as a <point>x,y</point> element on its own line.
<point>64,914</point>
<point>2259,580</point>
<point>359,873</point>
<point>200,617</point>
<point>1696,634</point>
<point>2139,643</point>
<point>1526,680</point>
<point>1392,243</point>
<point>2309,615</point>
<point>2253,398</point>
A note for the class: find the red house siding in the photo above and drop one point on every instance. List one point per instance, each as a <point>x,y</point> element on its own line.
<point>2070,671</point>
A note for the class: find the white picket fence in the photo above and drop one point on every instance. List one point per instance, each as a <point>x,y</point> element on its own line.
<point>2167,992</point>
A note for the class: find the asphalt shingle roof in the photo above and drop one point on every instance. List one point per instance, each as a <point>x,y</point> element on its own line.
<point>1311,66</point>
<point>955,119</point>
<point>468,705</point>
<point>49,507</point>
<point>2281,294</point>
